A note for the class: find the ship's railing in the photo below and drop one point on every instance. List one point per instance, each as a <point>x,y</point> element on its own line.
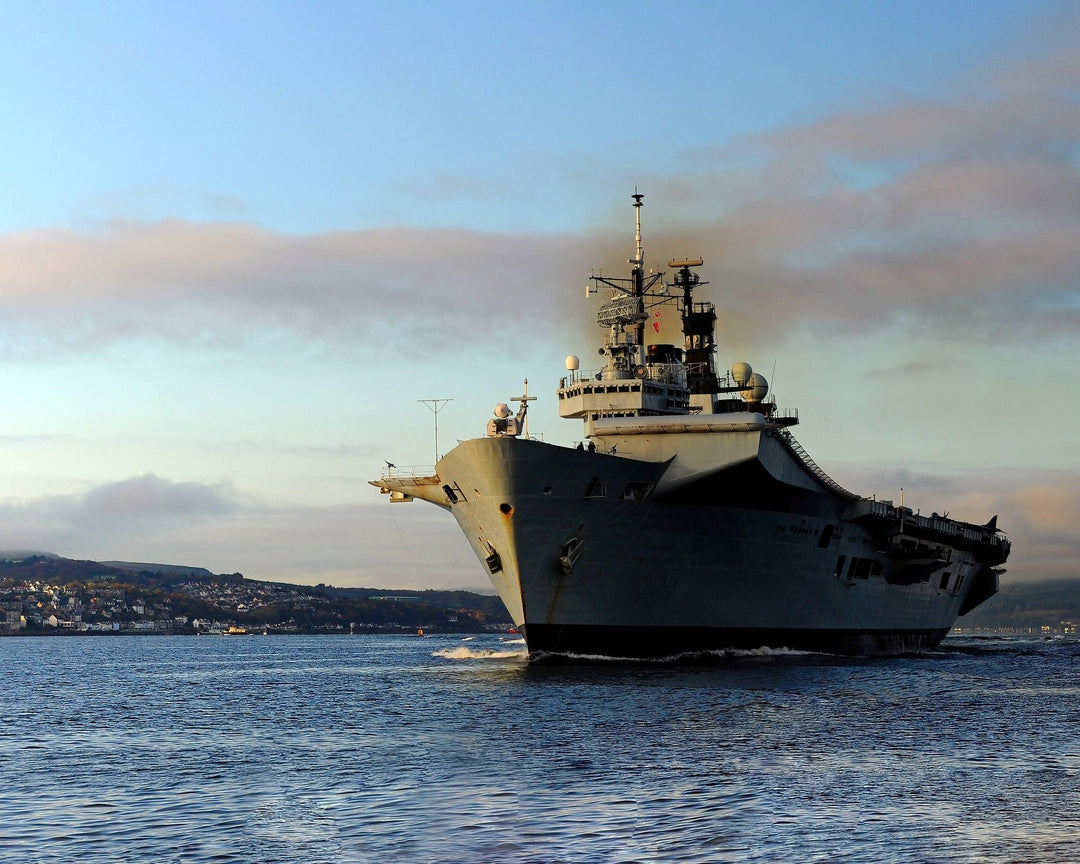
<point>989,544</point>
<point>410,475</point>
<point>667,373</point>
<point>812,466</point>
<point>940,525</point>
<point>786,415</point>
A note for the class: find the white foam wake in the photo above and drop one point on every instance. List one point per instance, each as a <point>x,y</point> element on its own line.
<point>713,654</point>
<point>466,652</point>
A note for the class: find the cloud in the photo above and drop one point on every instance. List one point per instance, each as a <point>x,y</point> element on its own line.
<point>961,209</point>
<point>957,214</point>
<point>1049,511</point>
<point>1044,515</point>
<point>143,505</point>
<point>222,285</point>
<point>150,498</point>
<point>150,518</point>
<point>370,545</point>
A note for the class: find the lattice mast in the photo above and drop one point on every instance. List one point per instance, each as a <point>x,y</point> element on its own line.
<point>626,311</point>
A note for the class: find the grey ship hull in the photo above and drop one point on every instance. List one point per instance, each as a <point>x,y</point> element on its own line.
<point>597,554</point>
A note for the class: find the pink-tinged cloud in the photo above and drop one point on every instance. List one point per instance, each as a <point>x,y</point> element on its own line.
<point>956,215</point>
<point>1049,512</point>
<point>227,285</point>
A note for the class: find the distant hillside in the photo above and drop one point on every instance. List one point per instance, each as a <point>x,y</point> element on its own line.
<point>68,596</point>
<point>488,604</point>
<point>1023,605</point>
<point>167,569</point>
<point>44,567</point>
<point>23,554</point>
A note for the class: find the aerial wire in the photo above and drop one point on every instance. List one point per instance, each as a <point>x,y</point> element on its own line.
<point>408,549</point>
<point>404,544</point>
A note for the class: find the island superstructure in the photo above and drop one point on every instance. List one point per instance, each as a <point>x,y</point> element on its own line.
<point>694,520</point>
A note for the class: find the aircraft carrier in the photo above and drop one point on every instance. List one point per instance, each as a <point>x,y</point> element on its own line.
<point>692,520</point>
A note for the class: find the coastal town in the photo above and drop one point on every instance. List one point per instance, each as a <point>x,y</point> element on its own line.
<point>46,595</point>
<point>103,606</point>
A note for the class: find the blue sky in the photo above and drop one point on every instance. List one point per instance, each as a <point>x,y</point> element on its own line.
<point>240,241</point>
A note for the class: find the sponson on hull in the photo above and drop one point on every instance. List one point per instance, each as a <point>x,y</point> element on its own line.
<point>693,520</point>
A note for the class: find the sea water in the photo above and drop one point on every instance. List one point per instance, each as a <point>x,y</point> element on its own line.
<point>455,749</point>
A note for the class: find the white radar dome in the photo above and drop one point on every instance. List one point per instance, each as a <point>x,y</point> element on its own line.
<point>572,362</point>
<point>502,410</point>
<point>741,372</point>
<point>757,388</point>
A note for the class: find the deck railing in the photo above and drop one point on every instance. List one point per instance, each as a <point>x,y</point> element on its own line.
<point>410,475</point>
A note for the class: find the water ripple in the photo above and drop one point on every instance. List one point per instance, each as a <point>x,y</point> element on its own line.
<point>357,749</point>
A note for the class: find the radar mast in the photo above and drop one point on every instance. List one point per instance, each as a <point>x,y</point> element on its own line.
<point>625,312</point>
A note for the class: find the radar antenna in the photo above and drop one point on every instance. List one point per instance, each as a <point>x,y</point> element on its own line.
<point>639,257</point>
<point>523,409</point>
<point>625,311</point>
<point>435,405</point>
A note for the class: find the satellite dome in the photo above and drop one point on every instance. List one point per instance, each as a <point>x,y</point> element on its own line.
<point>741,372</point>
<point>757,388</point>
<point>572,362</point>
<point>502,411</point>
